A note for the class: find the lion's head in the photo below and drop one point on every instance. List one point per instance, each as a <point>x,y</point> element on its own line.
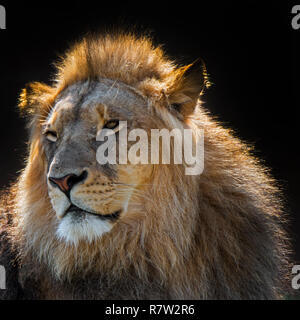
<point>190,234</point>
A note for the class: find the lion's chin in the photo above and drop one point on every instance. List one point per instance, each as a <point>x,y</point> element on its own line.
<point>76,227</point>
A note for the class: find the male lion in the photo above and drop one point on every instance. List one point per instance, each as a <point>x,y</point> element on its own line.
<point>72,228</point>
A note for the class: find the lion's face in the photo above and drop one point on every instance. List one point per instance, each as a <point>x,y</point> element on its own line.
<point>90,198</point>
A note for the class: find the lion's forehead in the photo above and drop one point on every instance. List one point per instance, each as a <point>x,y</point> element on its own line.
<point>81,97</point>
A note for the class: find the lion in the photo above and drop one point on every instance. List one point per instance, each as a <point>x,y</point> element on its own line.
<point>72,228</point>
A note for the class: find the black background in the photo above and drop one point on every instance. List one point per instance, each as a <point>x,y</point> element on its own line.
<point>250,49</point>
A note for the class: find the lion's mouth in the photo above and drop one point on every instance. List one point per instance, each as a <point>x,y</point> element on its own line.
<point>112,217</point>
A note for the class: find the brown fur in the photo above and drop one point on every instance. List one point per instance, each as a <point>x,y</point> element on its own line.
<point>213,236</point>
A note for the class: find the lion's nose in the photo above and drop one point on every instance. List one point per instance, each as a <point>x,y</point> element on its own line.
<point>67,182</point>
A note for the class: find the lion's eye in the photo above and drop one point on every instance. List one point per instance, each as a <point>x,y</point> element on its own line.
<point>51,136</point>
<point>111,124</point>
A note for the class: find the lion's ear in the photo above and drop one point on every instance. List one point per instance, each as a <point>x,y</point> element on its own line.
<point>35,97</point>
<point>189,84</point>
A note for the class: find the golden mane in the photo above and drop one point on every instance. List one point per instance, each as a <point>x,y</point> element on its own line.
<point>217,235</point>
<point>133,60</point>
